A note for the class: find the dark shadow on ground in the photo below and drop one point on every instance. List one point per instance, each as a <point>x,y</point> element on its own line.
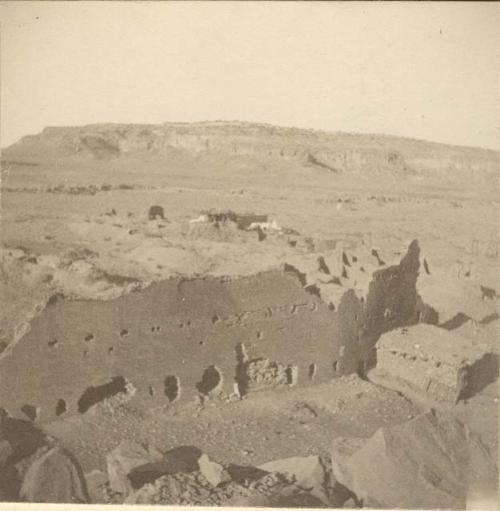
<point>456,321</point>
<point>490,318</point>
<point>482,373</point>
<point>460,319</point>
<point>24,440</point>
<point>180,459</point>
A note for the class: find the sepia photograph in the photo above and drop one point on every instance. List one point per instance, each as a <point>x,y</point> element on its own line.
<point>249,254</point>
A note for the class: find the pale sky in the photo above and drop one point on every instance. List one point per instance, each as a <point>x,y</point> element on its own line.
<point>423,70</point>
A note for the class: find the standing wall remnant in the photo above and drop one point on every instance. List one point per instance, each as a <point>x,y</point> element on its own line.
<point>186,337</point>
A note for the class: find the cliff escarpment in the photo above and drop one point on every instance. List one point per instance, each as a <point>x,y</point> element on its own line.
<point>329,152</point>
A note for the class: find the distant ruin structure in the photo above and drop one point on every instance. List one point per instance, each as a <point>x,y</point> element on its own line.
<point>156,212</point>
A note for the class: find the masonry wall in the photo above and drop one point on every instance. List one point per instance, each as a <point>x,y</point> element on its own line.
<point>434,363</point>
<point>176,328</point>
<point>392,301</point>
<point>247,333</point>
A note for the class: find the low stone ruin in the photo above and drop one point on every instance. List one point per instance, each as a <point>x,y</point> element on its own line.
<point>243,221</point>
<point>228,226</point>
<point>434,363</point>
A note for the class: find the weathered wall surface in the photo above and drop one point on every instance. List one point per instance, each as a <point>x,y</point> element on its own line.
<point>392,301</point>
<point>246,333</point>
<point>175,328</point>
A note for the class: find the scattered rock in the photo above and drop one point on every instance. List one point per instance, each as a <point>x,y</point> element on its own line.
<point>271,490</point>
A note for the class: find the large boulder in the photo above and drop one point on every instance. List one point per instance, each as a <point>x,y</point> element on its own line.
<point>431,461</point>
<point>55,477</point>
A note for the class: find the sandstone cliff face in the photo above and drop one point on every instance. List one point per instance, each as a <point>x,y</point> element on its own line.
<point>335,153</point>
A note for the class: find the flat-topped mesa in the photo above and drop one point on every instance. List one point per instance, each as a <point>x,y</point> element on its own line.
<point>330,152</point>
<point>210,337</point>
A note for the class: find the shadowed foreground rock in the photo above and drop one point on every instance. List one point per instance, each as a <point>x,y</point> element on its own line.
<point>54,477</point>
<point>432,461</point>
<point>187,476</point>
<point>122,460</point>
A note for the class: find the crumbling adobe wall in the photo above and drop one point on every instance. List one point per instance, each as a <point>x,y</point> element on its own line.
<point>173,340</point>
<point>181,338</point>
<point>392,301</point>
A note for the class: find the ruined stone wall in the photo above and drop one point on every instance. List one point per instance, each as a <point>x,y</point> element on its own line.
<point>391,301</point>
<point>183,338</point>
<point>167,336</point>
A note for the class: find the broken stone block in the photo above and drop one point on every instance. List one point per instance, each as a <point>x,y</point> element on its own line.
<point>54,477</point>
<point>350,504</point>
<point>96,486</point>
<point>308,473</point>
<point>213,472</point>
<point>431,461</point>
<point>122,460</point>
<point>433,363</point>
